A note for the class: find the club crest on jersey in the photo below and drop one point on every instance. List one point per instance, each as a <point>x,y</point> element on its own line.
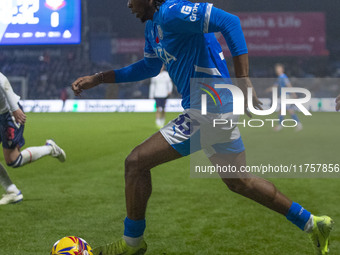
<point>160,32</point>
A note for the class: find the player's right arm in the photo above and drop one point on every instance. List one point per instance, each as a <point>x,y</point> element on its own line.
<point>270,89</point>
<point>146,68</point>
<point>337,101</point>
<point>170,85</point>
<point>152,88</point>
<point>141,70</point>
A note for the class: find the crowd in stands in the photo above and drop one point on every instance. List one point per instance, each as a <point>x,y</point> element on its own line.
<point>49,75</point>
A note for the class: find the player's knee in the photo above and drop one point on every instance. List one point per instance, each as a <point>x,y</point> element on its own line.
<point>239,185</point>
<point>15,163</point>
<point>133,163</point>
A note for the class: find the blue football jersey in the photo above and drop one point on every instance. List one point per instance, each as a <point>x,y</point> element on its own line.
<point>282,82</point>
<point>179,36</point>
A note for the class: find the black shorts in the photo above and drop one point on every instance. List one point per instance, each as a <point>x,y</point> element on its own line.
<point>160,102</point>
<point>11,136</point>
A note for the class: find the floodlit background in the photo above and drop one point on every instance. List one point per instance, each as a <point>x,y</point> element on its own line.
<point>303,35</point>
<point>85,195</point>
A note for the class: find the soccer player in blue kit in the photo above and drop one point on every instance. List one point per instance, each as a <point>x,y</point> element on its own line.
<point>283,82</point>
<point>180,34</point>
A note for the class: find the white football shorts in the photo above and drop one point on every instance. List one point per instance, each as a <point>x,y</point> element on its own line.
<point>192,131</point>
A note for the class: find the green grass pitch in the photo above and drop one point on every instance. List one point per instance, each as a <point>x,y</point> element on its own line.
<point>85,195</point>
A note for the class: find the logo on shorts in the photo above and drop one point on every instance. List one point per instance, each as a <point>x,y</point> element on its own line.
<point>174,129</point>
<point>10,133</point>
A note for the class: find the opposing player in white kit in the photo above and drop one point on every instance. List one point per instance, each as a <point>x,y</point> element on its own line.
<point>12,120</point>
<point>160,90</point>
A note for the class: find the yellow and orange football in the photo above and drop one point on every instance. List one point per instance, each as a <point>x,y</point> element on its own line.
<point>71,245</point>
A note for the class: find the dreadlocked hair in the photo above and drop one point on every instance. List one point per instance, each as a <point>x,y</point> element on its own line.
<point>158,3</point>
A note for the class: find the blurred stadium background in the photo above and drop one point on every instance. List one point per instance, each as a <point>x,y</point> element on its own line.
<point>303,35</point>
<point>85,196</point>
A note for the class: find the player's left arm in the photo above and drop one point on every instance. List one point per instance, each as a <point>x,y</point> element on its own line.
<point>194,18</point>
<point>241,66</point>
<point>170,85</point>
<point>230,26</point>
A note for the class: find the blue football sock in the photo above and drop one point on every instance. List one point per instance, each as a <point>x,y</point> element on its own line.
<point>298,215</point>
<point>295,117</point>
<point>134,228</point>
<point>281,119</point>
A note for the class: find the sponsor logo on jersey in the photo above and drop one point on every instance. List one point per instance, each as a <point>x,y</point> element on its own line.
<point>165,56</point>
<point>186,9</point>
<point>193,16</point>
<point>191,10</point>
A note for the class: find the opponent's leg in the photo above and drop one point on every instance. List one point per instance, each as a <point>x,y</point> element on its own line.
<point>5,181</point>
<point>265,193</point>
<point>279,126</point>
<point>162,118</point>
<point>15,158</point>
<point>296,118</point>
<point>13,195</point>
<point>158,117</point>
<point>152,152</point>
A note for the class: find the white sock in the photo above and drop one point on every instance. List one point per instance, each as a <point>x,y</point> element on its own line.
<point>33,153</point>
<point>131,241</point>
<point>158,122</point>
<point>5,181</point>
<point>162,121</point>
<point>12,189</point>
<point>309,225</point>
